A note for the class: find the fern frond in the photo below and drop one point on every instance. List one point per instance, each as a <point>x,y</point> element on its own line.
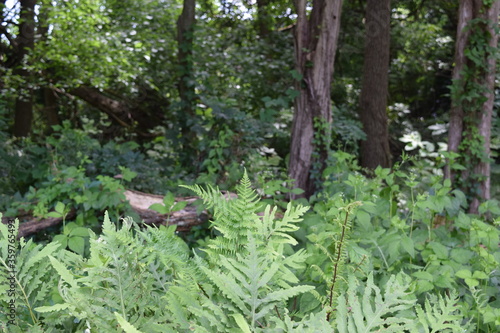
<point>232,217</point>
<point>375,310</point>
<point>279,230</point>
<point>28,278</point>
<point>129,272</point>
<point>313,323</point>
<point>442,316</point>
<point>249,283</point>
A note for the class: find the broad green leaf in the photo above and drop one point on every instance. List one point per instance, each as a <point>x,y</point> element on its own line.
<point>422,275</point>
<point>363,219</point>
<point>480,275</point>
<point>168,199</point>
<point>471,282</point>
<point>60,208</point>
<point>179,206</point>
<point>76,244</point>
<point>80,231</point>
<point>62,239</point>
<point>463,274</point>
<point>54,214</point>
<point>159,208</point>
<point>408,245</point>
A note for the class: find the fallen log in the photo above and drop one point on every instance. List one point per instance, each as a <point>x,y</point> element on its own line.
<point>185,219</point>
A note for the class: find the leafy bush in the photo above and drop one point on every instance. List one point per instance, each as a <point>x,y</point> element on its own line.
<point>256,277</point>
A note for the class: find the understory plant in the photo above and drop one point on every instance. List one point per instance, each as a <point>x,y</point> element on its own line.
<point>262,272</point>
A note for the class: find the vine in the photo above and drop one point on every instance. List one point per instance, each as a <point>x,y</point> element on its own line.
<point>471,92</point>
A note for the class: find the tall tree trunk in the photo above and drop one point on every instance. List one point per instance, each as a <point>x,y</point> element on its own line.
<point>373,100</point>
<point>263,18</point>
<point>315,47</point>
<point>185,30</point>
<point>25,41</point>
<point>472,99</point>
<point>50,98</point>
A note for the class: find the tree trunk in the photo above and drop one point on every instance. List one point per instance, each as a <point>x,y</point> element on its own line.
<point>472,99</point>
<point>185,30</point>
<point>25,41</point>
<point>373,100</point>
<point>50,108</point>
<point>315,47</point>
<point>263,18</point>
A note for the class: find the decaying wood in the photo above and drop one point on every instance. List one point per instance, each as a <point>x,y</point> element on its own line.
<point>185,219</point>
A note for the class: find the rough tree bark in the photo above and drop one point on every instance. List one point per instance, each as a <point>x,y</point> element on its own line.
<point>25,41</point>
<point>316,37</point>
<point>373,100</point>
<point>466,116</point>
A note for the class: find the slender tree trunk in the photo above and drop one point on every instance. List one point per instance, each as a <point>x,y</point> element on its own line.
<point>50,98</point>
<point>185,30</point>
<point>472,100</point>
<point>25,41</point>
<point>456,112</point>
<point>50,107</point>
<point>316,39</point>
<point>373,100</point>
<point>263,18</point>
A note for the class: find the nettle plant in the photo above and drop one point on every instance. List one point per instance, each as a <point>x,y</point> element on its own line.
<point>253,277</point>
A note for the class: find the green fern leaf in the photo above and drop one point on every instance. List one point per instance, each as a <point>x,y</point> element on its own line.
<point>442,315</point>
<point>65,274</point>
<point>376,311</point>
<point>51,308</point>
<point>125,325</point>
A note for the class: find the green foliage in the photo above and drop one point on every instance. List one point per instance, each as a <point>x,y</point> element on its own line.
<point>254,276</point>
<point>416,226</point>
<point>375,311</point>
<point>169,205</point>
<point>34,282</point>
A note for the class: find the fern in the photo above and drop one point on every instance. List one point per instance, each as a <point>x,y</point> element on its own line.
<point>147,281</point>
<point>232,218</point>
<point>125,278</point>
<point>442,316</point>
<point>34,279</point>
<point>250,278</point>
<point>375,311</point>
<point>333,275</point>
<point>248,286</point>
